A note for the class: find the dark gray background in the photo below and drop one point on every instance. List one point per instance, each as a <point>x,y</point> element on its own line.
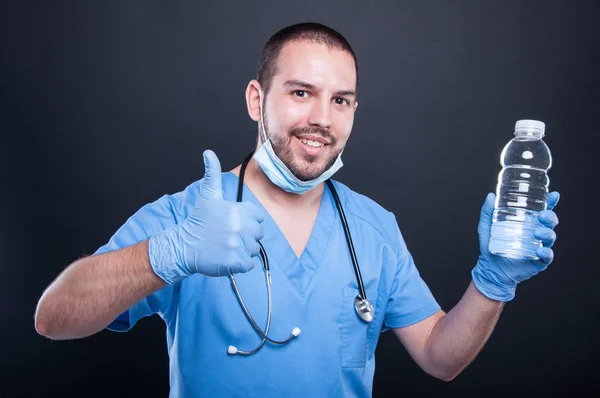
<point>107,105</point>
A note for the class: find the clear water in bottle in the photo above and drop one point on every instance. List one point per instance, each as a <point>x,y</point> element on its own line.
<point>521,193</point>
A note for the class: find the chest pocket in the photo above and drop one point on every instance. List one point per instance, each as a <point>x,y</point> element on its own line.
<point>359,338</point>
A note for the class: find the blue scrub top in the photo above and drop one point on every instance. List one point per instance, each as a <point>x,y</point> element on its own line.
<point>334,354</point>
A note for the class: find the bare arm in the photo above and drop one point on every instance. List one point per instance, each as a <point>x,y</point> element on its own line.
<point>91,292</point>
<point>444,344</point>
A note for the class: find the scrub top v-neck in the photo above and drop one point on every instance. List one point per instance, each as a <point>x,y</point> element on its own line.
<point>298,270</point>
<point>334,355</point>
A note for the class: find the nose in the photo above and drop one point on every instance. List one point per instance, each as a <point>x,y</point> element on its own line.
<point>320,114</point>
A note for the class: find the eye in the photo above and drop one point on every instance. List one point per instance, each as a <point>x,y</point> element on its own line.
<point>300,93</point>
<point>341,101</point>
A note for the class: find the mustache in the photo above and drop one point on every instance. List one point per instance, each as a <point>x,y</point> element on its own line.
<point>296,131</point>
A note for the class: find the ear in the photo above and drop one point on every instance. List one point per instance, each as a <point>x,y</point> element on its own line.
<point>355,105</point>
<point>253,100</point>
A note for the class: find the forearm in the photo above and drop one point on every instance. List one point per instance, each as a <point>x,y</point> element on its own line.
<point>460,335</point>
<point>91,292</point>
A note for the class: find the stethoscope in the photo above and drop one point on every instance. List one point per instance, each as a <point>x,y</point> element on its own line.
<point>363,307</point>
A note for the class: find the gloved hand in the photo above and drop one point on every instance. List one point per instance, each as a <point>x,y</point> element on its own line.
<point>497,277</point>
<point>218,237</point>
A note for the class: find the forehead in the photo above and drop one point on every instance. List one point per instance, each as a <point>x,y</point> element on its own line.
<point>317,64</point>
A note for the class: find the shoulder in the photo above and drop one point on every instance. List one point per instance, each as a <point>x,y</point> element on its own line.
<point>178,204</point>
<point>152,217</point>
<point>173,205</point>
<point>369,211</point>
<point>160,214</point>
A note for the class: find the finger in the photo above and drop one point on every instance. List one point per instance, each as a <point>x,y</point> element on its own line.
<point>242,243</point>
<point>241,219</point>
<point>255,228</point>
<point>236,261</point>
<point>237,218</point>
<point>249,242</point>
<point>548,218</point>
<point>553,198</point>
<point>256,212</point>
<point>232,268</point>
<point>546,235</point>
<point>211,185</point>
<point>546,255</point>
<point>244,261</point>
<point>223,270</point>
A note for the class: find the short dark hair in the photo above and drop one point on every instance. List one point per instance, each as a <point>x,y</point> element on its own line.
<point>309,31</point>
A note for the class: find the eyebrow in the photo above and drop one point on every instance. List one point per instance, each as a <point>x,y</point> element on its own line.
<point>308,86</point>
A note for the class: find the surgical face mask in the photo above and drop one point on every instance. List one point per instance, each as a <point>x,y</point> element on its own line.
<point>279,173</point>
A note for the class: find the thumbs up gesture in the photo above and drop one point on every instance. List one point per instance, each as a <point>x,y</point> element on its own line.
<point>218,237</point>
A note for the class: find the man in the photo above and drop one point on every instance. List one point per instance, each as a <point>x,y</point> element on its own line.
<point>173,256</point>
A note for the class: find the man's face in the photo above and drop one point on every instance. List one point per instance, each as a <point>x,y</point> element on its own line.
<point>309,109</point>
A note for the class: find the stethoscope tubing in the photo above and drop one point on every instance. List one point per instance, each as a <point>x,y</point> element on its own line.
<point>361,286</point>
<point>265,262</point>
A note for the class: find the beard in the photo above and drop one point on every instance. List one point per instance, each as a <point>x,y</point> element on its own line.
<point>305,169</point>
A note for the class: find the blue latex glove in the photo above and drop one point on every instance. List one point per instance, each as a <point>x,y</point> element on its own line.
<point>218,237</point>
<point>497,277</point>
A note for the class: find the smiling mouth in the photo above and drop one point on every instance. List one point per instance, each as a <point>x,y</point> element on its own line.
<point>312,144</point>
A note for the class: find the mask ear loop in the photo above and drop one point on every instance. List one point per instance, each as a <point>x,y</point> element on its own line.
<point>262,117</point>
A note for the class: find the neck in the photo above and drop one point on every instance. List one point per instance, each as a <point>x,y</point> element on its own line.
<point>265,191</point>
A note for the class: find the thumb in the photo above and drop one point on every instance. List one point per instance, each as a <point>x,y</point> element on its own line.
<point>211,186</point>
<point>484,229</point>
<point>487,212</point>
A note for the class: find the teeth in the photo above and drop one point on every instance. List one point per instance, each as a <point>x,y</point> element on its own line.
<point>313,144</point>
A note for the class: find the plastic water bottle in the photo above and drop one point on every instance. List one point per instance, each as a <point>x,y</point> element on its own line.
<point>521,193</point>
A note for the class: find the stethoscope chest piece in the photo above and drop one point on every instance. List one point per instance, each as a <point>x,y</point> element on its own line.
<point>364,309</point>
